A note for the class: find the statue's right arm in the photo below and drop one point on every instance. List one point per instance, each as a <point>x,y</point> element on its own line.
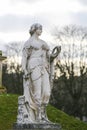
<point>26,52</point>
<point>24,60</point>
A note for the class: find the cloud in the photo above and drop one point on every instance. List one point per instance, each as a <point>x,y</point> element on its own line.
<point>14,22</point>
<point>21,7</point>
<point>17,23</point>
<point>84,2</point>
<point>18,15</point>
<point>24,1</point>
<point>79,18</point>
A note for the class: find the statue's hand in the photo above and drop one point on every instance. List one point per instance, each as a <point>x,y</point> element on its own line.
<point>26,75</point>
<point>55,52</point>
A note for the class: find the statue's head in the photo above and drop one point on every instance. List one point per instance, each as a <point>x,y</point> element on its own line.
<point>35,27</point>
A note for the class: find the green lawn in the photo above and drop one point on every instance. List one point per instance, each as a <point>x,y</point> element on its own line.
<point>8,114</point>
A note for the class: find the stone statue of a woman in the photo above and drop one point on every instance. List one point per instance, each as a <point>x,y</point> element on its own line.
<point>36,81</point>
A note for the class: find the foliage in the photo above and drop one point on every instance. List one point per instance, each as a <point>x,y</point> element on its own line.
<point>12,73</point>
<point>13,81</point>
<point>14,49</point>
<point>70,87</point>
<point>8,114</point>
<point>70,95</point>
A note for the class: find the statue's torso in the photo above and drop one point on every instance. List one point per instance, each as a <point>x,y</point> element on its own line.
<point>38,53</point>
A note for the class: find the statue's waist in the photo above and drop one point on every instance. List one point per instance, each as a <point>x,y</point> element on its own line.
<point>41,56</point>
<point>38,54</point>
<point>37,62</point>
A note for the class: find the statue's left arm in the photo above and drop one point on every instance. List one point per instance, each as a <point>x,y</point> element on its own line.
<point>55,53</point>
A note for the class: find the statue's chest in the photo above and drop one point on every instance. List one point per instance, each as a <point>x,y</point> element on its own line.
<point>36,44</point>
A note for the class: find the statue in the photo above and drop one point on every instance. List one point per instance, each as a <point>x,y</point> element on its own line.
<point>37,64</point>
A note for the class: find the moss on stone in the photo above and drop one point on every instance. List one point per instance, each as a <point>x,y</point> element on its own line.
<point>3,90</point>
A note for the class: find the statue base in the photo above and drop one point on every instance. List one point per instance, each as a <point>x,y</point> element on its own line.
<point>37,126</point>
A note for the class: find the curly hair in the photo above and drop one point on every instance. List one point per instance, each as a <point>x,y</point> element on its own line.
<point>34,27</point>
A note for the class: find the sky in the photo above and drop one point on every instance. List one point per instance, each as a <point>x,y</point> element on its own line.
<point>16,17</point>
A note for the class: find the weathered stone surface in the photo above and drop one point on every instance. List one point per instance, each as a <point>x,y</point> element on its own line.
<point>1,59</point>
<point>36,126</point>
<point>2,89</point>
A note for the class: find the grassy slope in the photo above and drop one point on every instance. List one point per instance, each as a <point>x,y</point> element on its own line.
<point>8,113</point>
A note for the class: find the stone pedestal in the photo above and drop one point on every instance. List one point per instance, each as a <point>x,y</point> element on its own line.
<point>36,126</point>
<point>2,89</point>
<point>24,122</point>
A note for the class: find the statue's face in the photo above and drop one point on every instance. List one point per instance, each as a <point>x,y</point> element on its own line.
<point>39,31</point>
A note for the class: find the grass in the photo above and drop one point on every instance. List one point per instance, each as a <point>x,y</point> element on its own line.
<point>67,122</point>
<point>8,114</point>
<point>8,111</point>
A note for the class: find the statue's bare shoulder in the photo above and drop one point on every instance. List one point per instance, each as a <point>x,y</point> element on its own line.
<point>27,44</point>
<point>44,44</point>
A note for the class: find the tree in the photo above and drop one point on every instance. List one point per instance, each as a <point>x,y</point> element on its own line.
<point>72,68</point>
<point>13,72</point>
<point>14,48</point>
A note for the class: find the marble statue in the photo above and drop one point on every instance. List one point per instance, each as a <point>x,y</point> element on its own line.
<point>37,63</point>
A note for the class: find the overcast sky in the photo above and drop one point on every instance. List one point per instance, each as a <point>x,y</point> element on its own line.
<point>16,16</point>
